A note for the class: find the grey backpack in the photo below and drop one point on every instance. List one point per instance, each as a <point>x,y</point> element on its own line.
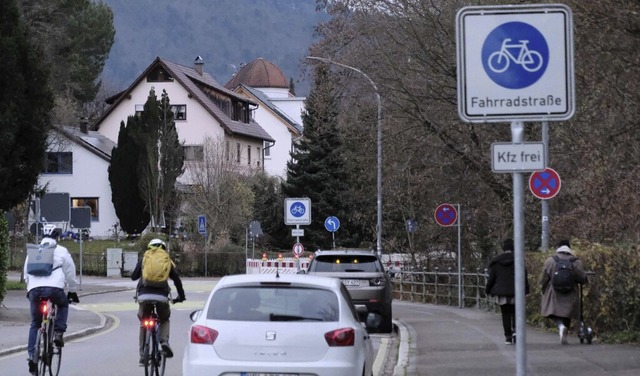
<point>40,259</point>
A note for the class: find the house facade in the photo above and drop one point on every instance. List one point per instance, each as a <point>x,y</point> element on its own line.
<point>204,111</point>
<point>77,163</point>
<point>279,112</point>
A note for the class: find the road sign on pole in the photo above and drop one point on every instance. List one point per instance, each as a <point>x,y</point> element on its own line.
<point>446,215</point>
<point>297,211</point>
<point>545,184</point>
<point>332,224</point>
<point>515,62</point>
<point>297,249</point>
<point>524,157</point>
<point>202,224</point>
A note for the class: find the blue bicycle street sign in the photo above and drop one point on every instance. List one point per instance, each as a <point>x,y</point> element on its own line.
<point>202,224</point>
<point>297,211</point>
<point>332,224</point>
<point>515,63</point>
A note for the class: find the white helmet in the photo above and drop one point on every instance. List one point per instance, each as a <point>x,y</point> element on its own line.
<point>157,243</point>
<point>50,231</point>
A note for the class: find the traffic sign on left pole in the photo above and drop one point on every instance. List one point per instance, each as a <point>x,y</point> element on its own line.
<point>202,224</point>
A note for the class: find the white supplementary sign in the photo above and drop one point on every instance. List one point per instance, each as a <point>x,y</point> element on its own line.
<point>297,232</point>
<point>525,157</point>
<point>515,63</point>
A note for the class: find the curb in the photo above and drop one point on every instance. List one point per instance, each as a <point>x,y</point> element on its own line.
<point>405,348</point>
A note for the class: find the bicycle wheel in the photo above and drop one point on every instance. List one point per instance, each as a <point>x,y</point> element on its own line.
<point>40,353</point>
<point>156,355</point>
<point>161,360</point>
<point>147,353</point>
<point>55,355</point>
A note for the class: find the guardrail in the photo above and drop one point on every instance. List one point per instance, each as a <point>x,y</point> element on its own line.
<point>441,287</point>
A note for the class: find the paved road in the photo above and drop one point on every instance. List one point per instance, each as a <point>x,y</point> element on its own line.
<point>431,341</point>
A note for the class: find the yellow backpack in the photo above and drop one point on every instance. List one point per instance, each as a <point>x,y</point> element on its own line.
<point>156,265</point>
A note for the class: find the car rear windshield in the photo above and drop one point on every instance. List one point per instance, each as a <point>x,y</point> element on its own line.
<point>346,263</point>
<point>274,304</point>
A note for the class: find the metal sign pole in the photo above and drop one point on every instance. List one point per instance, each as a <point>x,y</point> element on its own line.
<point>517,136</point>
<point>81,263</point>
<point>205,254</point>
<point>544,246</point>
<point>459,262</point>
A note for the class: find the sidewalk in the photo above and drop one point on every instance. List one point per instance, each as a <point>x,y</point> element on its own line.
<point>15,317</point>
<point>445,341</point>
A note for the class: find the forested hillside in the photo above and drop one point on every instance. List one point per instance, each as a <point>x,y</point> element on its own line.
<point>226,33</point>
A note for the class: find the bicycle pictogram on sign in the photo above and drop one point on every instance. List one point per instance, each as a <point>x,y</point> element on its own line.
<point>515,55</point>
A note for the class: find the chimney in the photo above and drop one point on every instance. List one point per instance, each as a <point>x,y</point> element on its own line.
<point>84,126</point>
<point>199,63</point>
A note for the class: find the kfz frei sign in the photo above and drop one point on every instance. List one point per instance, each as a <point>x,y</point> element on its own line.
<point>525,157</point>
<point>515,63</point>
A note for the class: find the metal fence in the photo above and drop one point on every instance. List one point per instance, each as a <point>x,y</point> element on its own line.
<point>441,287</point>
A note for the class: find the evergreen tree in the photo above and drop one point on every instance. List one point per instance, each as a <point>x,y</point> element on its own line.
<point>317,167</point>
<point>163,159</point>
<point>267,209</point>
<point>25,105</point>
<point>77,36</point>
<point>130,208</point>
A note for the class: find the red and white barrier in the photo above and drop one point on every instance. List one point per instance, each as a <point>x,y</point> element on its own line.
<point>285,266</point>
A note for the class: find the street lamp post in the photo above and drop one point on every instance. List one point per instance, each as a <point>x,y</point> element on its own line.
<point>379,141</point>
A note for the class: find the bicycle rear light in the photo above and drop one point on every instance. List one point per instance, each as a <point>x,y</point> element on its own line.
<point>148,323</point>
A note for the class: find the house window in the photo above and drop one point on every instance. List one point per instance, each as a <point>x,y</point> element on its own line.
<point>249,155</point>
<point>179,111</point>
<point>193,153</point>
<point>238,152</point>
<point>267,149</point>
<point>159,74</point>
<point>58,163</point>
<point>92,202</point>
<point>227,152</point>
<point>139,109</point>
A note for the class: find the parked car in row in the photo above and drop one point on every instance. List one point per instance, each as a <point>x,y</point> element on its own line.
<point>265,324</point>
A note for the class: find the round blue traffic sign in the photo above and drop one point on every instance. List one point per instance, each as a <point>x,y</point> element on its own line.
<point>297,209</point>
<point>446,215</point>
<point>545,184</point>
<point>332,224</point>
<point>515,55</point>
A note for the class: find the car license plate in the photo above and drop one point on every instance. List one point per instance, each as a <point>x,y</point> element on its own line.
<point>351,282</point>
<point>266,374</point>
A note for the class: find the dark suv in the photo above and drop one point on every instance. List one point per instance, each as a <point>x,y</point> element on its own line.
<point>362,272</point>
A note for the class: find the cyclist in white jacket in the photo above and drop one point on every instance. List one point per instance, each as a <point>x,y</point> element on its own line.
<point>52,287</point>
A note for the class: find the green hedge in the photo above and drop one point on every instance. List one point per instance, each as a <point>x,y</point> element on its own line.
<point>4,252</point>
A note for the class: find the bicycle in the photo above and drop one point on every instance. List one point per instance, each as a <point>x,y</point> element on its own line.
<point>47,355</point>
<point>154,359</point>
<point>530,60</point>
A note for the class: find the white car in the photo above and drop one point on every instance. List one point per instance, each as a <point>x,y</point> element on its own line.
<point>278,325</point>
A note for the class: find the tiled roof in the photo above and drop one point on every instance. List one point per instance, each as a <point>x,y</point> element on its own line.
<point>259,73</point>
<point>194,83</point>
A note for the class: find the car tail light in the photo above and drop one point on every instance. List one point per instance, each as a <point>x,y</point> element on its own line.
<point>376,282</point>
<point>202,334</point>
<point>341,337</point>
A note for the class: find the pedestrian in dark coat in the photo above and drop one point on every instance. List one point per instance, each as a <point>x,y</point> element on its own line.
<point>559,307</point>
<point>501,285</point>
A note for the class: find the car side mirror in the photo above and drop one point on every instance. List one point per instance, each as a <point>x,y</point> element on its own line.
<point>302,271</point>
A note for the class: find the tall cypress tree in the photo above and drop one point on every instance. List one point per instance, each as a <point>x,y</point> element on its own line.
<point>25,108</point>
<point>317,167</point>
<point>130,208</point>
<point>163,159</point>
